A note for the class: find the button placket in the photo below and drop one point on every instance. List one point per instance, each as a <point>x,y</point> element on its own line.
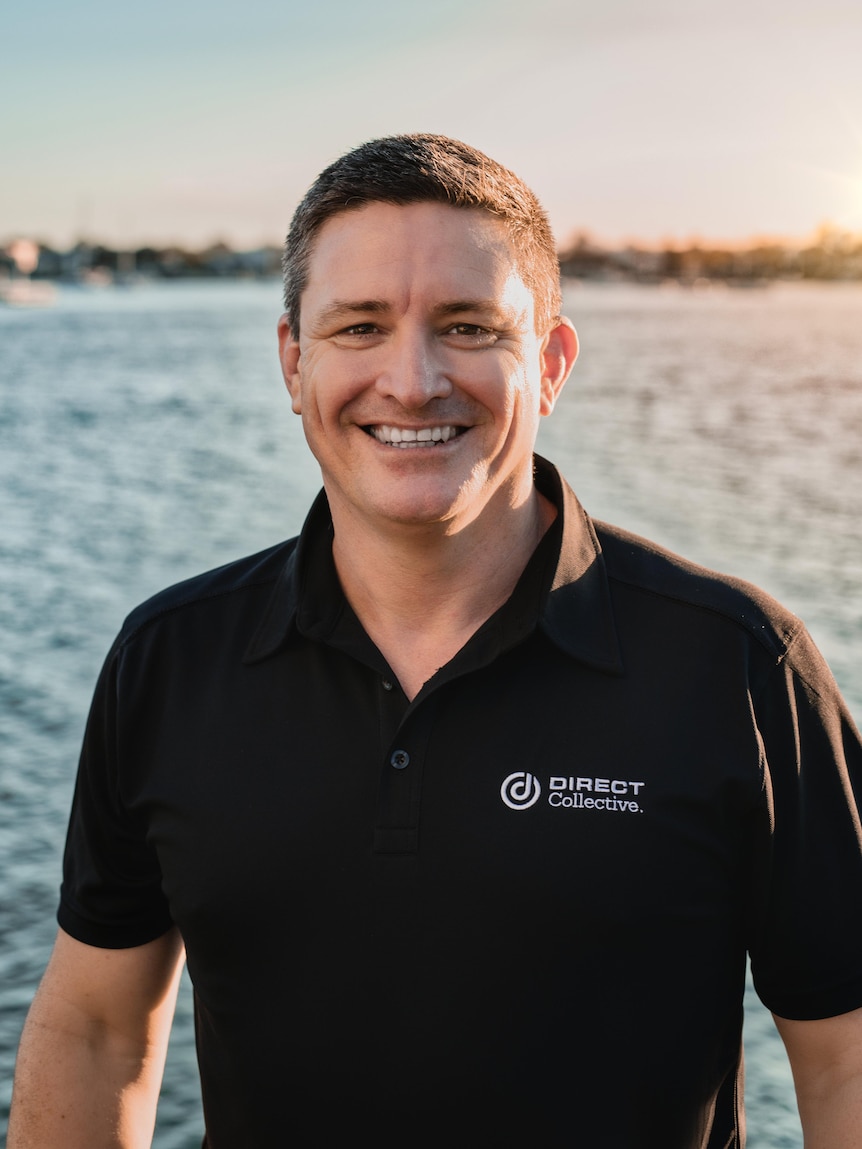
<point>399,799</point>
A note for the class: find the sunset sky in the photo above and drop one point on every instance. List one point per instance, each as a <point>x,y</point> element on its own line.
<point>180,120</point>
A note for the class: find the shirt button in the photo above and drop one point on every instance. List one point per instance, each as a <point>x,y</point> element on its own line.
<point>399,759</point>
<point>386,684</point>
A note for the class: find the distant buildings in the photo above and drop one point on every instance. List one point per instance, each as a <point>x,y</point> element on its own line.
<point>831,255</point>
<point>88,262</point>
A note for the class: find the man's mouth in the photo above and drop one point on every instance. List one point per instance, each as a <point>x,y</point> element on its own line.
<point>412,437</point>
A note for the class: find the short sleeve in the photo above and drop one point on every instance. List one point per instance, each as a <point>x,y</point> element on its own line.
<point>806,945</point>
<point>111,894</point>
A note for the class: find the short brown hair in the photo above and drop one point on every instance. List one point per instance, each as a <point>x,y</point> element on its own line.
<point>425,168</point>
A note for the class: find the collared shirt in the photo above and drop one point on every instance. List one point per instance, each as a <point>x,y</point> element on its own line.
<point>514,910</point>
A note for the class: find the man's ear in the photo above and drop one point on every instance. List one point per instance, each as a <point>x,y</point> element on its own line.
<point>559,352</point>
<point>288,354</point>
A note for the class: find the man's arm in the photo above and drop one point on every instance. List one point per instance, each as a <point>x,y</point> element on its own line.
<point>93,1048</point>
<point>826,1059</point>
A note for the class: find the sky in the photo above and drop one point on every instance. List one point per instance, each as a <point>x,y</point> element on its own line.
<point>658,120</point>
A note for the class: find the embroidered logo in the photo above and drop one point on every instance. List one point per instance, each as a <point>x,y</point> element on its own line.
<point>520,790</point>
<point>611,795</point>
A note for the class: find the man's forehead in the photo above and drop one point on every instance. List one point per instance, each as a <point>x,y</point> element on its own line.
<point>380,220</point>
<point>378,240</point>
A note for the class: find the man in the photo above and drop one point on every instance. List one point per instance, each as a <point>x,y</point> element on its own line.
<point>464,808</point>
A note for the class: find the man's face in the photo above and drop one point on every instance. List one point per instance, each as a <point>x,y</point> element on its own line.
<point>418,373</point>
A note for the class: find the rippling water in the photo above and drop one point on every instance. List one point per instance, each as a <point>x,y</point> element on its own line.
<point>145,436</point>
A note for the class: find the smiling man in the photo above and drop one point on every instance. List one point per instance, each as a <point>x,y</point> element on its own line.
<point>464,808</point>
<point>421,370</point>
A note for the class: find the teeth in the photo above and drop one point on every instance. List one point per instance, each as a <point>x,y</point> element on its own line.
<point>408,437</point>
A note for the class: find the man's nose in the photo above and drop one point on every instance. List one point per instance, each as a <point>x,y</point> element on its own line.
<point>413,371</point>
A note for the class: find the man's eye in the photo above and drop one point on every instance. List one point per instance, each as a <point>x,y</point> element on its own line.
<point>473,332</point>
<point>360,329</point>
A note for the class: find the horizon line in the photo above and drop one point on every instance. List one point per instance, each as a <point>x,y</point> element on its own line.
<point>581,237</point>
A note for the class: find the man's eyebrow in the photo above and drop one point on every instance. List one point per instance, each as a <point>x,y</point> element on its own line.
<point>347,308</point>
<point>342,308</point>
<point>458,306</point>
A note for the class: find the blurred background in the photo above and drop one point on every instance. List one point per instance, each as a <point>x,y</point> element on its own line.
<point>702,166</point>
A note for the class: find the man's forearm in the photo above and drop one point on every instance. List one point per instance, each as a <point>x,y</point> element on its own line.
<point>82,1088</point>
<point>832,1119</point>
<point>93,1049</point>
<point>826,1058</point>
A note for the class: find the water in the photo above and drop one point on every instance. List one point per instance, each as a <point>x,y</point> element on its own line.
<point>145,435</point>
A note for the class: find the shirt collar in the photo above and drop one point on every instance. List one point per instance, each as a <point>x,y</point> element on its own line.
<point>577,614</point>
<point>575,610</point>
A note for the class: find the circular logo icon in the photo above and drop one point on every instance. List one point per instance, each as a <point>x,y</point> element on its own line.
<point>520,790</point>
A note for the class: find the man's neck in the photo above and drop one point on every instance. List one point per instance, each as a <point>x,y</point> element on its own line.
<point>421,593</point>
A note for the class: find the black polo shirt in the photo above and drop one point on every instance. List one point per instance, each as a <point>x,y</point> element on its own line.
<point>512,912</point>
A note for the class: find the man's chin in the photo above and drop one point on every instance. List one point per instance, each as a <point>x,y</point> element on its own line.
<point>427,507</point>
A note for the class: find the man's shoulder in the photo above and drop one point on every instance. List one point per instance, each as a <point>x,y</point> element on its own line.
<point>225,588</point>
<point>653,570</point>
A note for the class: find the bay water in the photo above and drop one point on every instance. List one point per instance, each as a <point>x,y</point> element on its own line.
<point>145,435</point>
